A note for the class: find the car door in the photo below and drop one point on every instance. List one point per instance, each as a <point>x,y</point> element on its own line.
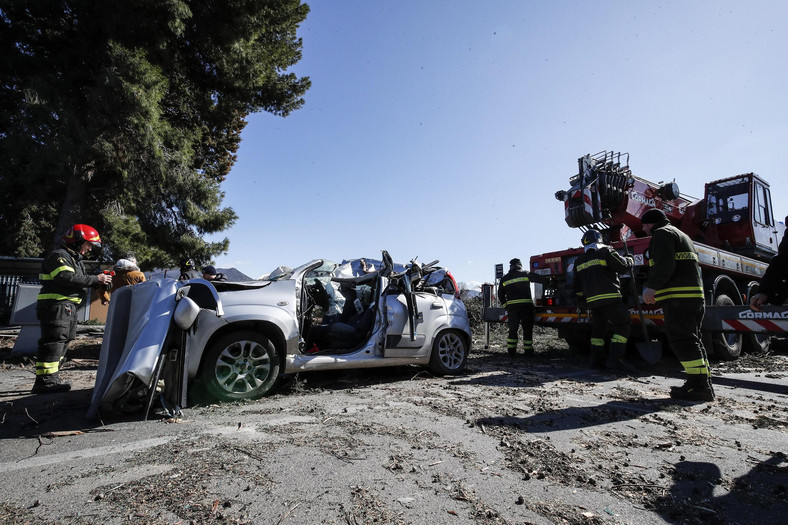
<point>428,311</point>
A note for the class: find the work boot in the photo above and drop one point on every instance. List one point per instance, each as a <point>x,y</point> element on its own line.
<point>597,360</point>
<point>697,388</point>
<point>619,365</point>
<point>615,361</point>
<point>50,384</point>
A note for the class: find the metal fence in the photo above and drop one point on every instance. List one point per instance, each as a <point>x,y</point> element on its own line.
<point>13,272</point>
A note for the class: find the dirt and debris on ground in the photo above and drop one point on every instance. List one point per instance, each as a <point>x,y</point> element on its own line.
<point>511,441</point>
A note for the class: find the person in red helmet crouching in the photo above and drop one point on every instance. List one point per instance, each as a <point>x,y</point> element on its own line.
<point>63,281</point>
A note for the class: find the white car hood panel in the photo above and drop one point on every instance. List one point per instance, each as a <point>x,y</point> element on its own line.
<point>138,323</point>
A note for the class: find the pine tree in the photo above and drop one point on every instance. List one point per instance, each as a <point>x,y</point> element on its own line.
<point>127,115</point>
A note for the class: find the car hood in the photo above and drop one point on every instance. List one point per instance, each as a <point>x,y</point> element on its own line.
<point>139,321</point>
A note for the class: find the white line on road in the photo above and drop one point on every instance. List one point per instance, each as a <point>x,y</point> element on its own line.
<point>63,457</point>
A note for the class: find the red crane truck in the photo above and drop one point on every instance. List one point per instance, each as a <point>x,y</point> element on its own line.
<point>733,228</point>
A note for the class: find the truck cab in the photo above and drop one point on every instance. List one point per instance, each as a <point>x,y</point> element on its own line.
<point>739,209</point>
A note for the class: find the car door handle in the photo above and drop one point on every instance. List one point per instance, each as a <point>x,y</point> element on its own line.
<point>437,304</point>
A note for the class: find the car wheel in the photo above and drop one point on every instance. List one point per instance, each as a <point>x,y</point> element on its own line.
<point>240,365</point>
<point>449,353</point>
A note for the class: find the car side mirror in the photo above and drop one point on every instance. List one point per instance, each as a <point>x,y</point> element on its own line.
<point>186,312</point>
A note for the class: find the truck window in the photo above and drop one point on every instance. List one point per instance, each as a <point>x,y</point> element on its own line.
<point>728,202</point>
<point>737,202</point>
<point>762,200</point>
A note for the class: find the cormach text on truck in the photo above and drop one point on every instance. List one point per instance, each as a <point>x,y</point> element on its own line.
<point>733,228</point>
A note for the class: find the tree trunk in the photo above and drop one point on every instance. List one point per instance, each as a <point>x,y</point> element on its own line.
<point>73,203</point>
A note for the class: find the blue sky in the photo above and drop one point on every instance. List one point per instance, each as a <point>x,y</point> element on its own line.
<point>442,129</point>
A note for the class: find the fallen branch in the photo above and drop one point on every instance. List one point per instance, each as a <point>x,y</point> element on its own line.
<point>622,485</point>
<point>253,456</point>
<point>31,417</point>
<point>41,444</point>
<point>289,511</point>
<point>62,433</point>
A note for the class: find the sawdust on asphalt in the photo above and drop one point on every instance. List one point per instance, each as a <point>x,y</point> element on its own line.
<point>510,441</point>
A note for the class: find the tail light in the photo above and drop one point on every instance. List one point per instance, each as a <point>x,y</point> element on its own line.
<point>456,288</point>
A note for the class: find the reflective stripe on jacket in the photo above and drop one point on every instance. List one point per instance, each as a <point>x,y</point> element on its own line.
<point>674,271</point>
<point>596,275</point>
<point>515,288</point>
<point>63,277</point>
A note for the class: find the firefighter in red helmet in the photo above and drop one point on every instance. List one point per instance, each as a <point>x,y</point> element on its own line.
<point>63,281</point>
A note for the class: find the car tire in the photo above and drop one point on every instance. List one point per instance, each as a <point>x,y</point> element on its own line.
<point>449,353</point>
<point>240,365</point>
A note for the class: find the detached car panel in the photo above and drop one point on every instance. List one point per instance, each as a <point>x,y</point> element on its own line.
<point>141,322</point>
<point>361,313</point>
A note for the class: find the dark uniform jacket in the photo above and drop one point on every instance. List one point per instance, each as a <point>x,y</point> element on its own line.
<point>63,278</point>
<point>674,271</point>
<point>596,275</point>
<point>189,274</point>
<point>515,289</point>
<point>774,282</point>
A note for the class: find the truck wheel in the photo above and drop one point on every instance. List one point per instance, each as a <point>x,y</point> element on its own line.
<point>757,343</point>
<point>727,347</point>
<point>240,365</point>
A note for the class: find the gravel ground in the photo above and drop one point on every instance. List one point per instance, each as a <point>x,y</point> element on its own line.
<point>541,440</point>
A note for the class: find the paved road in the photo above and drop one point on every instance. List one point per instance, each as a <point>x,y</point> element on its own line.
<point>538,442</point>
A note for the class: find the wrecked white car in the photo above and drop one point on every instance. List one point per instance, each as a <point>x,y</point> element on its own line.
<point>168,342</point>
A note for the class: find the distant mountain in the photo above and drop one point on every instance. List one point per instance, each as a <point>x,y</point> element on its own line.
<point>231,274</point>
<point>471,288</point>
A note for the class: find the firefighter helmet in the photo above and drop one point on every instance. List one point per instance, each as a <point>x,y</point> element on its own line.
<point>591,237</point>
<point>80,233</point>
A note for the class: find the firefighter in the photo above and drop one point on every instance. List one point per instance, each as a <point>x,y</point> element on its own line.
<point>674,281</point>
<point>63,281</point>
<point>597,285</point>
<point>774,283</point>
<point>188,270</point>
<point>514,293</point>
